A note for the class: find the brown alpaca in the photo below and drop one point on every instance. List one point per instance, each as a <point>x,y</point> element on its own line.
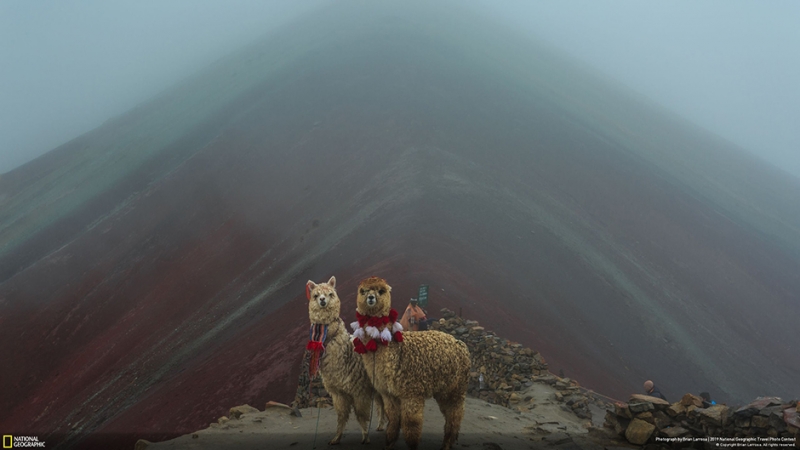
<point>408,367</point>
<point>343,373</point>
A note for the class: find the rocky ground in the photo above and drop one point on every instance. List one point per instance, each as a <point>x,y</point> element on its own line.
<point>547,423</point>
<point>513,402</point>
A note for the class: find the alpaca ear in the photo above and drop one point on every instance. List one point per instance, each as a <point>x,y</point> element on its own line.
<point>332,282</point>
<point>388,288</point>
<point>309,286</point>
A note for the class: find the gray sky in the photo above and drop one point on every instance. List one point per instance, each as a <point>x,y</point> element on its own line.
<point>730,66</point>
<point>66,67</point>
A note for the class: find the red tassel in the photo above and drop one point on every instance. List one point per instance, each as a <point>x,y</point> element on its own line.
<point>313,364</point>
<point>372,345</point>
<point>398,336</point>
<point>362,320</point>
<point>314,345</point>
<point>359,346</point>
<point>308,292</point>
<point>392,315</point>
<point>384,342</point>
<point>385,320</point>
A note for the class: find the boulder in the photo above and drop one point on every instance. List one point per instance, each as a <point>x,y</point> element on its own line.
<point>639,432</point>
<point>691,399</point>
<point>759,421</point>
<point>717,415</point>
<point>647,417</point>
<point>676,409</point>
<point>792,416</point>
<point>640,407</point>
<point>661,420</point>
<point>623,410</point>
<point>657,402</point>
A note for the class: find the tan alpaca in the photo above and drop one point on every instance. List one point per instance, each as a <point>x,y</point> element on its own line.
<point>342,371</point>
<point>408,367</point>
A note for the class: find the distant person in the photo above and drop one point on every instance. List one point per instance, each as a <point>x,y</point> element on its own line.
<point>415,318</point>
<point>707,399</point>
<point>652,390</point>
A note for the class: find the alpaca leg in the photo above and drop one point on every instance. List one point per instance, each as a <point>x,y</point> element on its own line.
<point>452,407</point>
<point>392,408</point>
<point>363,407</point>
<point>411,411</point>
<point>381,412</point>
<point>342,404</point>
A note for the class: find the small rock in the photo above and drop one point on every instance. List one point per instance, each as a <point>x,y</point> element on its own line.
<point>673,432</point>
<point>691,399</point>
<point>141,444</point>
<point>237,411</point>
<point>271,404</point>
<point>222,420</point>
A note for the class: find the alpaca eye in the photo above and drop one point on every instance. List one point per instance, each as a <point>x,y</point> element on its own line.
<point>382,291</point>
<point>316,295</point>
<point>333,294</point>
<point>362,291</point>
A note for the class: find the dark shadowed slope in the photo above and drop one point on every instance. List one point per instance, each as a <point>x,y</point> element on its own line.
<point>561,210</point>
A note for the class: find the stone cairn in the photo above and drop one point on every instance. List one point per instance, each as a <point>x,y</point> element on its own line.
<point>507,369</point>
<point>692,423</point>
<point>310,392</point>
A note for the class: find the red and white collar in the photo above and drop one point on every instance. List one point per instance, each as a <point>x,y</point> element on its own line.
<point>374,328</point>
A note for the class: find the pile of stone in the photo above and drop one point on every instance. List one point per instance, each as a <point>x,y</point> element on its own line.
<point>310,392</point>
<point>504,367</point>
<point>646,419</point>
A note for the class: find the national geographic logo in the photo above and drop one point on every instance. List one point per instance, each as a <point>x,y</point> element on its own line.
<point>10,441</point>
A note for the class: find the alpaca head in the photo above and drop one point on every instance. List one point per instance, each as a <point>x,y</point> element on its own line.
<point>323,303</point>
<point>374,297</point>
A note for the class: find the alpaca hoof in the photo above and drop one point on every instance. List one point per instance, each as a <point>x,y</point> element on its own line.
<point>335,441</point>
<point>365,440</point>
<point>380,428</point>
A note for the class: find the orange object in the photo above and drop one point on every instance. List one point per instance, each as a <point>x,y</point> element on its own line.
<point>412,317</point>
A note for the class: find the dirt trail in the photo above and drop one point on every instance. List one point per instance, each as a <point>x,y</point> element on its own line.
<point>485,427</point>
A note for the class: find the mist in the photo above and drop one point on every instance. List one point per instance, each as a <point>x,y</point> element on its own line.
<point>729,67</point>
<point>69,67</point>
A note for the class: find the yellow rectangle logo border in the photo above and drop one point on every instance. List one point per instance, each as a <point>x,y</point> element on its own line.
<point>10,439</point>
